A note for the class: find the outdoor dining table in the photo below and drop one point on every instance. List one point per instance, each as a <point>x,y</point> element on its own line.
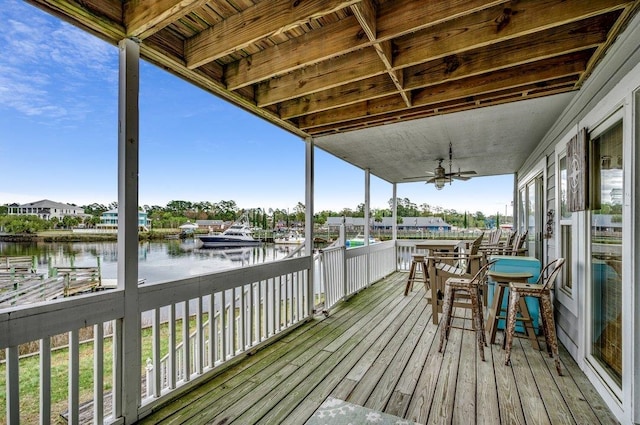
<point>434,246</point>
<point>511,269</point>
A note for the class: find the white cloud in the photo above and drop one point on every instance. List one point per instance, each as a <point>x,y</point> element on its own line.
<point>49,68</point>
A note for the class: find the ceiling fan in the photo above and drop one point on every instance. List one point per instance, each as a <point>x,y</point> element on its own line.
<point>440,175</point>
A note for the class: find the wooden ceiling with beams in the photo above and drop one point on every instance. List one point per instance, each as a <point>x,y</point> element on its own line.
<point>321,67</point>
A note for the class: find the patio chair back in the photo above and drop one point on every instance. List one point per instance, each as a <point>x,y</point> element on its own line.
<point>552,269</point>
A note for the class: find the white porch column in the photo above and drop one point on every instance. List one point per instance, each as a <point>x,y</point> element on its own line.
<point>128,370</point>
<point>516,206</point>
<point>367,201</point>
<point>394,212</point>
<point>309,211</point>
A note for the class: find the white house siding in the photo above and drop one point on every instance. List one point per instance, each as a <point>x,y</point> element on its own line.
<point>614,84</point>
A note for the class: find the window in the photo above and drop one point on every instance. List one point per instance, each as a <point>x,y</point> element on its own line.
<point>607,228</point>
<point>565,242</point>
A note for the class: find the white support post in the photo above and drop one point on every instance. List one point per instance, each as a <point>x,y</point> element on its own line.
<point>128,151</point>
<point>367,218</point>
<point>394,213</point>
<point>308,228</point>
<point>516,206</point>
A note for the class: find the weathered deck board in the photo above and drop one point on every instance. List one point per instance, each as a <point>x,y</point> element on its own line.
<point>380,350</point>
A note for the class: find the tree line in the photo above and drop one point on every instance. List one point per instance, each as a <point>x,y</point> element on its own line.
<point>178,212</point>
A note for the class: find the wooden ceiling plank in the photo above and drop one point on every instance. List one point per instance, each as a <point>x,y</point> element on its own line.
<point>146,17</point>
<point>626,15</point>
<point>343,36</point>
<point>544,70</point>
<point>290,86</point>
<point>397,18</point>
<point>562,86</point>
<point>378,86</point>
<point>103,18</point>
<point>365,13</point>
<point>319,77</point>
<point>552,42</point>
<point>495,25</point>
<point>262,20</point>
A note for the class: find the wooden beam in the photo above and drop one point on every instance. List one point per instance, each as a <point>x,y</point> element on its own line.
<point>345,36</point>
<point>313,47</point>
<point>561,85</point>
<point>143,18</point>
<point>295,84</point>
<point>569,38</point>
<point>516,76</point>
<point>371,88</point>
<point>319,77</point>
<point>260,21</point>
<point>552,42</point>
<point>365,13</point>
<point>494,25</point>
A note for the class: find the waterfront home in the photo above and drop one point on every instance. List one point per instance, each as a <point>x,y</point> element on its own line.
<point>109,220</point>
<point>407,224</point>
<point>545,90</point>
<point>46,210</point>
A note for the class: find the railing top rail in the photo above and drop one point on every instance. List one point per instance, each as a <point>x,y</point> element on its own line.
<point>164,293</point>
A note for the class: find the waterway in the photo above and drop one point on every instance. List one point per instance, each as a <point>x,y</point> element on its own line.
<point>158,261</point>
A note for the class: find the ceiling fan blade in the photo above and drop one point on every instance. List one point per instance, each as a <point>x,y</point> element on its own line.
<point>431,180</point>
<point>417,177</point>
<point>464,178</point>
<point>466,172</point>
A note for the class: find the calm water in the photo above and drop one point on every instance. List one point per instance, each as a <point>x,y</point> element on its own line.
<point>157,261</point>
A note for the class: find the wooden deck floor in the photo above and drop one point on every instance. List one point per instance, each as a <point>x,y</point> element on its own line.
<point>379,350</point>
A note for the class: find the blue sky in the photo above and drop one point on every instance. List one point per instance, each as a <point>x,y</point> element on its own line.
<point>58,136</point>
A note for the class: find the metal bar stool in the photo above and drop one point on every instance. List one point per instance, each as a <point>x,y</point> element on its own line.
<point>469,289</point>
<point>541,290</point>
<point>418,266</point>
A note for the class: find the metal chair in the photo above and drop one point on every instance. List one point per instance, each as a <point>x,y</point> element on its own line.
<point>471,290</point>
<point>541,290</point>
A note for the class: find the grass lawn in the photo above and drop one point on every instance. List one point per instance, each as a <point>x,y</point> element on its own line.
<point>30,374</point>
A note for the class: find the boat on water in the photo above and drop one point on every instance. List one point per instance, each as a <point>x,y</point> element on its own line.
<point>292,237</point>
<point>238,234</point>
<point>359,241</point>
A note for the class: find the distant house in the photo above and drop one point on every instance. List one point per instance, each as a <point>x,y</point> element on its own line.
<point>46,210</point>
<point>109,220</point>
<point>431,224</point>
<point>211,225</point>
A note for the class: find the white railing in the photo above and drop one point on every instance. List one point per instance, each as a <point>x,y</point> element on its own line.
<point>222,315</point>
<point>347,271</point>
<point>249,306</point>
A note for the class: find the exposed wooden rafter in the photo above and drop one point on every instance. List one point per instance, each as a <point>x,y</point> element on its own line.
<point>322,66</point>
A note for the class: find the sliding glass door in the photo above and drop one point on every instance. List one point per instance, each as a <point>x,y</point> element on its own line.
<point>607,228</point>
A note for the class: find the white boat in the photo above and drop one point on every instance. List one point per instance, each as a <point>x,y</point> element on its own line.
<point>359,241</point>
<point>238,234</point>
<point>290,238</point>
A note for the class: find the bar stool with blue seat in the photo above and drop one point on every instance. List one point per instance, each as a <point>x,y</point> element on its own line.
<point>541,290</point>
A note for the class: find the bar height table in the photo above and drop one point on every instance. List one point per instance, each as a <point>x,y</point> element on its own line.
<point>502,280</point>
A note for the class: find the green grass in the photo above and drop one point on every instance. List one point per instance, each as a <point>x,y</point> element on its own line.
<point>30,373</point>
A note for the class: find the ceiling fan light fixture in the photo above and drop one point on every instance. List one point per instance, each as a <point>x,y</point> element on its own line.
<point>439,183</point>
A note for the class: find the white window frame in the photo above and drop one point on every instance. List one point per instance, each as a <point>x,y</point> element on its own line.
<point>539,168</point>
<point>568,299</point>
<point>620,393</point>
